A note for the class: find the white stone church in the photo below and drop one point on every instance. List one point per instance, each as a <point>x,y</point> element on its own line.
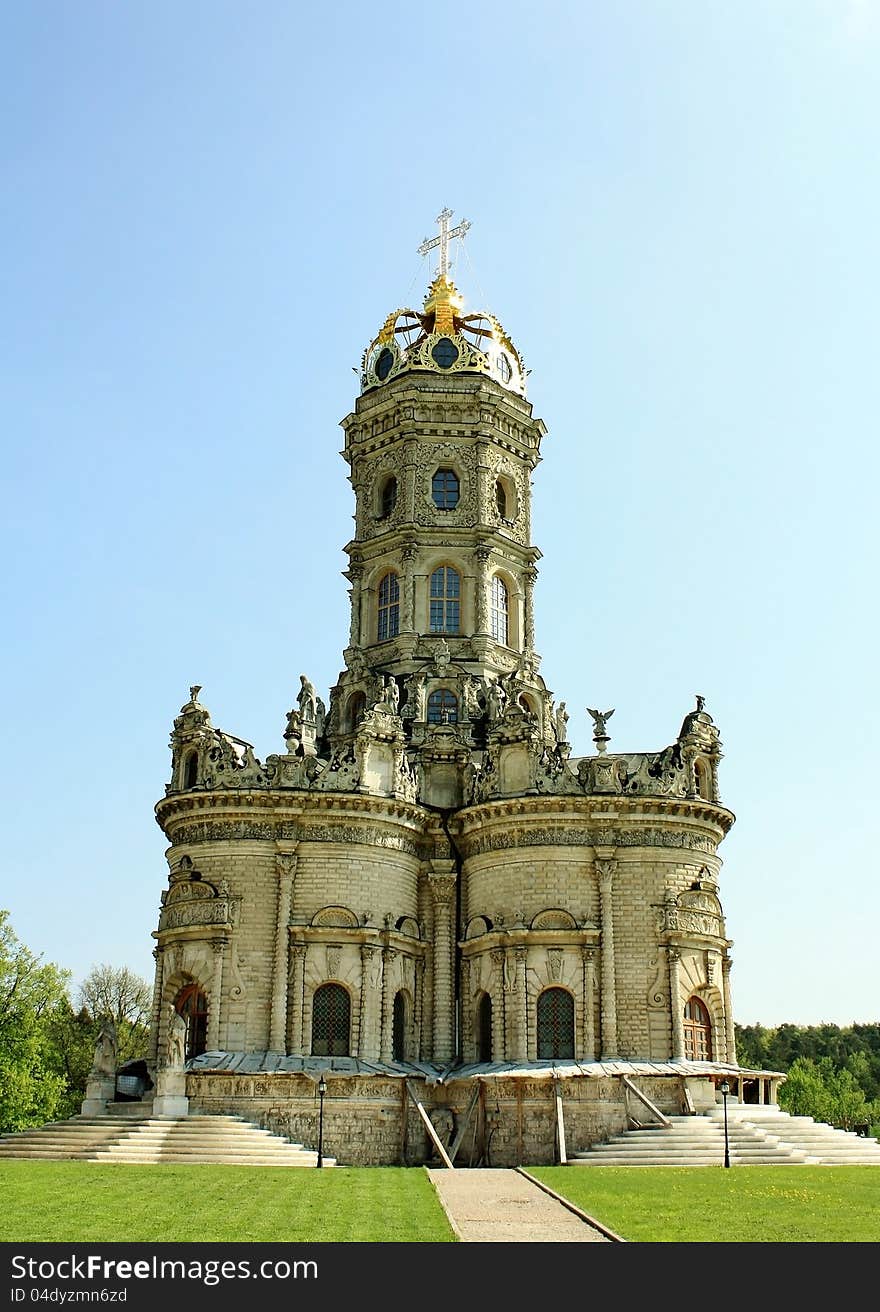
<point>426,896</point>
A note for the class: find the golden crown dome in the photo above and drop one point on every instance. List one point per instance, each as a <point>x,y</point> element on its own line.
<point>441,338</point>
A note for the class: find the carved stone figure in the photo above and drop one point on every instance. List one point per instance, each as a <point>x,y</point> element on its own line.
<point>599,721</point>
<point>497,700</point>
<point>561,723</point>
<point>307,699</point>
<point>177,1041</point>
<point>104,1060</point>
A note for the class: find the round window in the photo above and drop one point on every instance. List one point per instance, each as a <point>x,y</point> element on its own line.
<point>445,353</point>
<point>384,364</point>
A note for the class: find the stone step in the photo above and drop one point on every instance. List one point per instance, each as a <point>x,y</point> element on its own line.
<point>230,1140</point>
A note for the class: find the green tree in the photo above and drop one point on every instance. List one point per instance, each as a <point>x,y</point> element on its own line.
<point>31,1086</point>
<point>119,993</point>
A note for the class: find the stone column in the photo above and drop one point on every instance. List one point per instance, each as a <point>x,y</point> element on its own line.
<point>499,1035</point>
<point>690,771</point>
<point>387,1039</point>
<point>157,1006</point>
<point>417,1008</point>
<point>530,578</point>
<point>212,1039</point>
<point>408,589</point>
<point>442,888</point>
<point>674,956</point>
<point>729,1031</point>
<point>355,574</point>
<point>588,1045</point>
<point>369,1027</point>
<point>285,870</point>
<point>297,998</point>
<point>467,1010</point>
<point>481,595</point>
<point>605,869</point>
<point>518,999</point>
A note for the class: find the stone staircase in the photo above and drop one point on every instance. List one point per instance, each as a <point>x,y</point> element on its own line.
<point>757,1136</point>
<point>149,1140</point>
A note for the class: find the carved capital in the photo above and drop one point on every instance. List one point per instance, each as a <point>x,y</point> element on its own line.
<point>605,870</point>
<point>442,889</point>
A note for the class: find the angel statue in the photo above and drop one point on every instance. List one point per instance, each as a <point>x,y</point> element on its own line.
<point>599,719</point>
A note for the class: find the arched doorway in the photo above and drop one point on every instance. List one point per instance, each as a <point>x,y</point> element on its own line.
<point>331,1021</point>
<point>555,1025</point>
<point>192,1004</point>
<point>697,1031</point>
<point>483,1028</point>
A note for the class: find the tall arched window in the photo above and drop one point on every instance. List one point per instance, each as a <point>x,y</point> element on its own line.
<point>191,770</point>
<point>445,489</point>
<point>555,1025</point>
<point>389,497</point>
<point>483,1028</point>
<point>442,707</point>
<point>192,1005</point>
<point>398,1027</point>
<point>697,1031</point>
<point>445,600</point>
<point>499,610</point>
<point>701,775</point>
<point>331,1021</point>
<point>357,704</point>
<point>389,607</point>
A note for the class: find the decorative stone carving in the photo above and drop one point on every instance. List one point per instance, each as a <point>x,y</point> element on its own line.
<point>334,955</point>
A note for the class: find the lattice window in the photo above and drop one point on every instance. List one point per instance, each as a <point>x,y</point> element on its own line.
<point>192,1004</point>
<point>555,1025</point>
<point>445,600</point>
<point>445,489</point>
<point>389,607</point>
<point>442,707</point>
<point>697,1031</point>
<point>500,610</point>
<point>331,1021</point>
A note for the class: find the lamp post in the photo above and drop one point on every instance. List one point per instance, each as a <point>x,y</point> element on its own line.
<point>322,1089</point>
<point>725,1090</point>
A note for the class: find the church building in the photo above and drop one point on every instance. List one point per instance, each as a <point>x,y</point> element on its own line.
<point>475,939</point>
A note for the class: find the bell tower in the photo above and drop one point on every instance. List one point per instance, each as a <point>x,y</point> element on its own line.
<point>441,447</point>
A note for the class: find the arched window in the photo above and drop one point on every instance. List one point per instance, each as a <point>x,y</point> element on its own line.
<point>389,607</point>
<point>389,497</point>
<point>499,610</point>
<point>555,1025</point>
<point>501,499</point>
<point>355,710</point>
<point>701,775</point>
<point>191,770</point>
<point>697,1031</point>
<point>483,1028</point>
<point>398,1027</point>
<point>192,1005</point>
<point>442,707</point>
<point>445,600</point>
<point>331,1021</point>
<point>445,489</point>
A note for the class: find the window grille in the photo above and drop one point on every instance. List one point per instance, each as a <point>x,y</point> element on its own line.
<point>331,1021</point>
<point>445,600</point>
<point>500,610</point>
<point>445,489</point>
<point>389,607</point>
<point>555,1025</point>
<point>442,707</point>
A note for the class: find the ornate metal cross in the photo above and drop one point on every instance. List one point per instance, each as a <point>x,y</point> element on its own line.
<point>443,240</point>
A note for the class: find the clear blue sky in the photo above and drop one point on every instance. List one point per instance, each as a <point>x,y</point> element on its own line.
<point>208,210</point>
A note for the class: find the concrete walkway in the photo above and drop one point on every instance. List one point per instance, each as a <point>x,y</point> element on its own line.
<point>505,1206</point>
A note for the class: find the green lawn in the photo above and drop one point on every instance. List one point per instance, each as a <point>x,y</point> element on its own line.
<point>76,1202</point>
<point>745,1204</point>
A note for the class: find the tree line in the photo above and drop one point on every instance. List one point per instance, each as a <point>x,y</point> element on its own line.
<point>48,1037</point>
